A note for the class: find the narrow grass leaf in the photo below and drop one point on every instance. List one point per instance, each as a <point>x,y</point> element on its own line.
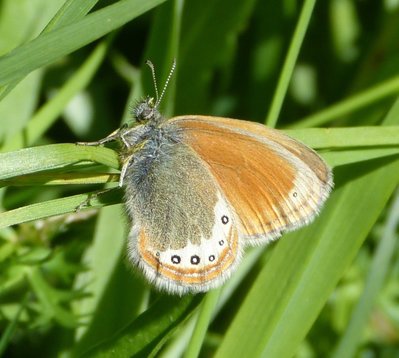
<point>48,298</point>
<point>351,339</point>
<point>351,104</point>
<point>205,44</point>
<point>48,157</point>
<point>144,336</point>
<point>60,179</point>
<point>320,138</point>
<point>305,266</point>
<point>114,294</point>
<point>47,48</point>
<point>11,328</point>
<point>69,12</point>
<point>48,114</point>
<point>290,61</point>
<point>205,315</point>
<point>55,207</point>
<point>345,157</point>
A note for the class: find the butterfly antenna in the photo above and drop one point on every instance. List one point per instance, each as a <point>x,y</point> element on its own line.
<point>167,82</point>
<point>154,79</point>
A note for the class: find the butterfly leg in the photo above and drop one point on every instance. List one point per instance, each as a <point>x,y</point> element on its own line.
<point>125,165</point>
<point>93,196</point>
<point>118,134</point>
<point>115,135</point>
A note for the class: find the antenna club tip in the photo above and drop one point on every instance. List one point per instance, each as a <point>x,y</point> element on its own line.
<point>149,63</point>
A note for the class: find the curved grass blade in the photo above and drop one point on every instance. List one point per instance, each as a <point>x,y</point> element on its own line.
<point>53,156</point>
<point>146,334</point>
<point>48,47</point>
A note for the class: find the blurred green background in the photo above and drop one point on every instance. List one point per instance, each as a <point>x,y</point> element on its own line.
<point>66,288</point>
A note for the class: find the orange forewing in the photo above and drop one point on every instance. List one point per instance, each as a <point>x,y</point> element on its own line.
<point>255,178</point>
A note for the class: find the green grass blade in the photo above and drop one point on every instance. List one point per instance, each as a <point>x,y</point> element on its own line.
<point>11,329</point>
<point>71,11</point>
<point>114,294</point>
<point>349,137</point>
<point>350,341</point>
<point>143,337</point>
<point>48,114</point>
<point>358,101</point>
<point>26,162</point>
<point>54,207</point>
<point>16,109</point>
<point>47,48</point>
<point>204,317</point>
<point>289,63</point>
<point>60,179</point>
<point>208,35</point>
<point>305,266</point>
<point>48,297</point>
<point>345,157</point>
<point>53,156</point>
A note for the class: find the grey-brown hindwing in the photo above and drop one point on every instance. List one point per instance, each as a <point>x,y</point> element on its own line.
<point>183,234</point>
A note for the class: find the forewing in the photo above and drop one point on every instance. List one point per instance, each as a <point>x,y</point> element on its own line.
<point>273,182</point>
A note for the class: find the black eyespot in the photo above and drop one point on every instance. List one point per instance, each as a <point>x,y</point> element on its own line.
<point>295,194</point>
<point>211,258</point>
<point>175,259</point>
<point>221,242</point>
<point>195,260</point>
<point>225,219</point>
<point>157,254</point>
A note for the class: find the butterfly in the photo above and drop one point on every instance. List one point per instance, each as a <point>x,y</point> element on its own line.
<point>199,189</point>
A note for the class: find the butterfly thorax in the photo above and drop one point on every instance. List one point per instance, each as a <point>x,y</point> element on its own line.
<point>147,137</point>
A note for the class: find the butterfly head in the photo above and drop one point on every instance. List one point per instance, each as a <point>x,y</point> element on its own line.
<point>146,112</point>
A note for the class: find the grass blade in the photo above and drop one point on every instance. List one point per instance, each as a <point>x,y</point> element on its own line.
<point>47,48</point>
